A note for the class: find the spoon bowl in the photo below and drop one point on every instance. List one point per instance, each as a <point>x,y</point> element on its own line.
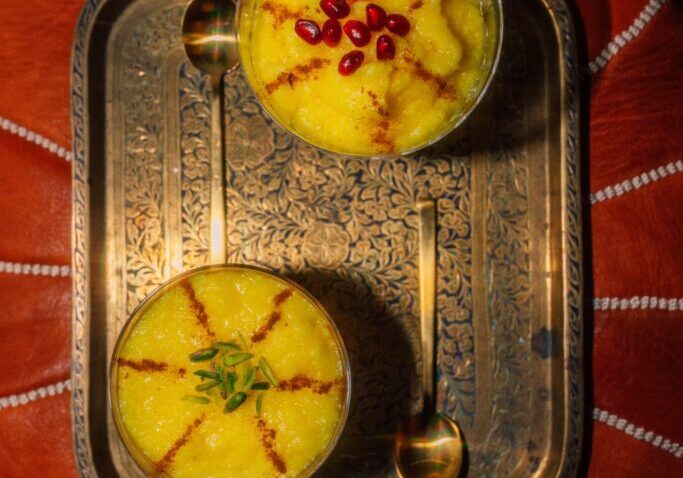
<point>210,36</point>
<point>429,446</point>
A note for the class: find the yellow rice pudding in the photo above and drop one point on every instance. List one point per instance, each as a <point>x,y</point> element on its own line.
<point>386,106</point>
<point>229,372</point>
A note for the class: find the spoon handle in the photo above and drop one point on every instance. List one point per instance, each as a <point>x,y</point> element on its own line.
<point>218,213</point>
<point>427,272</point>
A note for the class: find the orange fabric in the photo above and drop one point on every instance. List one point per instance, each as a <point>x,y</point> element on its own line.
<point>636,120</point>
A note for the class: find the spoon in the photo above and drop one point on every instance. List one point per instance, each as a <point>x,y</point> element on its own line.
<point>428,445</point>
<point>210,40</point>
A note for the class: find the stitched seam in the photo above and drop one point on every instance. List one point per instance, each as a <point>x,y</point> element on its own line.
<point>638,303</point>
<point>636,182</point>
<point>34,395</point>
<point>34,269</point>
<point>638,433</point>
<point>626,36</point>
<point>35,138</point>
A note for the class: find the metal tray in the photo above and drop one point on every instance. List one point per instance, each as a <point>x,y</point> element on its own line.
<point>510,282</point>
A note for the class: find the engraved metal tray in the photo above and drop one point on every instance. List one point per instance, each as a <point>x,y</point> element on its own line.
<point>510,281</point>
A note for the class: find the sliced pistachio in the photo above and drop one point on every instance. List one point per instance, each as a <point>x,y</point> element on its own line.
<point>235,359</point>
<point>249,379</point>
<point>260,386</point>
<point>259,404</point>
<point>207,386</point>
<point>267,371</point>
<point>207,374</point>
<point>224,385</point>
<point>196,399</point>
<point>203,355</point>
<point>230,380</point>
<point>226,346</point>
<point>234,402</point>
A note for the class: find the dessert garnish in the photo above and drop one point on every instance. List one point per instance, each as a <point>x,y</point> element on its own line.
<point>358,32</point>
<point>235,388</point>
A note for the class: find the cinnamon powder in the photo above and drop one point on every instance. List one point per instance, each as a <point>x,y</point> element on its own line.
<point>301,72</point>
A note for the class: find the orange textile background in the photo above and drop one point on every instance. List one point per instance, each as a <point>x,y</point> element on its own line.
<point>635,249</point>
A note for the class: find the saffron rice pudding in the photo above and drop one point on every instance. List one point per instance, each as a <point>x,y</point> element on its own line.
<point>230,372</point>
<point>368,78</point>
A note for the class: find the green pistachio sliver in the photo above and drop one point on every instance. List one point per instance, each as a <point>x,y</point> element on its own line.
<point>234,402</point>
<point>207,374</point>
<point>267,371</point>
<point>196,399</point>
<point>226,346</point>
<point>260,386</point>
<point>230,380</point>
<point>235,359</point>
<point>259,404</point>
<point>224,386</point>
<point>203,355</point>
<point>250,378</point>
<point>207,386</point>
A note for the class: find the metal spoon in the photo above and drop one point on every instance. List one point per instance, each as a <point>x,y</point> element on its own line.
<point>210,39</point>
<point>428,445</point>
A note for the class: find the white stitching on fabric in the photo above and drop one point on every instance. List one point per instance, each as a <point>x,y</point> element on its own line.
<point>35,138</point>
<point>34,269</point>
<point>638,433</point>
<point>638,303</point>
<point>627,36</point>
<point>37,394</point>
<point>636,182</point>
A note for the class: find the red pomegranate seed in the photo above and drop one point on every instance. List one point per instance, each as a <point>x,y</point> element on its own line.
<point>375,17</point>
<point>309,31</point>
<point>332,32</point>
<point>335,8</point>
<point>350,62</point>
<point>385,48</point>
<point>358,32</point>
<point>398,24</point>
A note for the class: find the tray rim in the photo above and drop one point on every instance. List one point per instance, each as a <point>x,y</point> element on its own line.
<point>572,439</point>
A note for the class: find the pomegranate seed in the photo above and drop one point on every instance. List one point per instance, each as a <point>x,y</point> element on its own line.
<point>335,8</point>
<point>385,48</point>
<point>309,31</point>
<point>375,17</point>
<point>350,62</point>
<point>332,32</point>
<point>398,24</point>
<point>358,32</point>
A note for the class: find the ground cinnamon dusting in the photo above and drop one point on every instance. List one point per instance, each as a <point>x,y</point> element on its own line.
<point>381,138</point>
<point>180,442</point>
<point>300,72</point>
<point>299,382</point>
<point>262,331</point>
<point>268,441</point>
<point>280,13</point>
<point>144,365</point>
<point>376,104</point>
<point>279,299</point>
<point>444,90</point>
<point>197,308</point>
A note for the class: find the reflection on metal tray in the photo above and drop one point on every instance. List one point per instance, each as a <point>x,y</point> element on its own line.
<point>509,291</point>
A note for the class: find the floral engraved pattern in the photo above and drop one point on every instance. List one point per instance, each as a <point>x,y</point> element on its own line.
<point>141,93</point>
<point>195,132</point>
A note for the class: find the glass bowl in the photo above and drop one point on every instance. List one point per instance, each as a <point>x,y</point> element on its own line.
<point>494,20</point>
<point>136,453</point>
